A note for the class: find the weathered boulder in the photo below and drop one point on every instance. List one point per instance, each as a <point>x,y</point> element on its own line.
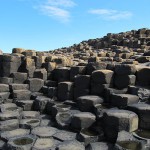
<point>81,85</point>
<point>65,91</point>
<point>143,74</point>
<point>82,120</point>
<point>19,77</point>
<point>125,69</point>
<point>27,105</point>
<point>61,74</point>
<point>40,73</point>
<point>143,111</point>
<point>116,120</point>
<point>28,66</point>
<point>21,94</point>
<point>40,103</point>
<point>18,50</point>
<point>123,81</point>
<point>109,91</point>
<point>87,103</point>
<point>6,80</point>
<point>10,64</point>
<point>35,84</point>
<point>76,70</point>
<point>102,76</point>
<point>17,86</point>
<point>123,100</point>
<point>4,88</point>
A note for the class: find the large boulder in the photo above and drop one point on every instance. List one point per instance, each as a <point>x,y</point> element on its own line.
<point>123,100</point>
<point>76,70</point>
<point>87,103</point>
<point>143,111</point>
<point>61,74</point>
<point>125,69</point>
<point>40,73</point>
<point>19,77</point>
<point>82,120</point>
<point>116,120</point>
<point>65,91</point>
<point>21,94</point>
<point>143,74</point>
<point>123,81</point>
<point>102,76</point>
<point>35,84</point>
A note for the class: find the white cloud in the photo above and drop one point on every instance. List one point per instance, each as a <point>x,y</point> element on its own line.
<point>55,12</point>
<point>110,14</point>
<point>57,9</point>
<point>62,3</point>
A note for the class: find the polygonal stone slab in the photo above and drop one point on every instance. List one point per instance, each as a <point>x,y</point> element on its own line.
<point>30,114</point>
<point>9,125</point>
<point>65,135</point>
<point>7,115</point>
<point>29,123</point>
<point>4,88</point>
<point>88,136</point>
<point>44,132</point>
<point>16,86</point>
<point>14,133</point>
<point>44,144</point>
<point>4,96</point>
<point>63,119</point>
<point>21,142</point>
<point>71,145</point>
<point>100,146</point>
<point>21,94</point>
<point>8,107</point>
<point>27,105</point>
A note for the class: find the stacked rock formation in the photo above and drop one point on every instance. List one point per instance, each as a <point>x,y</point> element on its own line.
<point>90,96</point>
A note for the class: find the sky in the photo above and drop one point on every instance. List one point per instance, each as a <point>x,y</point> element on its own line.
<point>45,25</point>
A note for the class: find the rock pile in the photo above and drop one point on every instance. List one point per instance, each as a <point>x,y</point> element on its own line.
<point>90,96</point>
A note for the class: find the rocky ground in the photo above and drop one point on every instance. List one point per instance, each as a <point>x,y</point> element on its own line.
<point>94,95</point>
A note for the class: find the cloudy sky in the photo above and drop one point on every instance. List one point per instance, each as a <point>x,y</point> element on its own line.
<point>50,24</point>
